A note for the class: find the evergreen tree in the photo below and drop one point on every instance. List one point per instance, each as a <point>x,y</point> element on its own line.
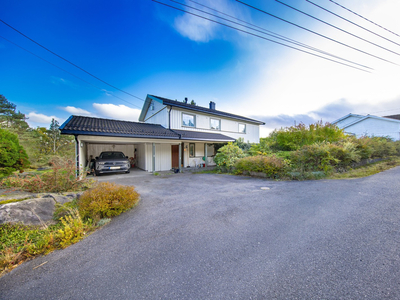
<point>12,155</point>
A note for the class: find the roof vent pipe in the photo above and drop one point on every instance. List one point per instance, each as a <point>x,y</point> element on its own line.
<point>212,105</point>
<point>186,100</point>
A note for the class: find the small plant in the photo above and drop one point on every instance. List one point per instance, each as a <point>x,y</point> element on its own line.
<point>73,229</point>
<point>227,157</point>
<point>107,200</point>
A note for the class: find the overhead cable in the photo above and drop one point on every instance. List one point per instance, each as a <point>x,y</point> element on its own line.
<point>362,27</point>
<point>261,37</point>
<point>364,17</point>
<point>319,34</point>
<point>338,28</point>
<point>267,32</point>
<point>65,70</point>
<point>71,63</point>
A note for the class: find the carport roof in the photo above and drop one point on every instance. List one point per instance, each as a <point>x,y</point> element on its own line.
<point>79,125</point>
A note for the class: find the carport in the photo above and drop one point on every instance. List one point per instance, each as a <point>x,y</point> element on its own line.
<point>153,147</point>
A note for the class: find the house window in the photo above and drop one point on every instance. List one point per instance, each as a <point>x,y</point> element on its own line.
<point>215,124</point>
<point>191,150</point>
<point>242,128</point>
<point>188,120</point>
<point>152,106</point>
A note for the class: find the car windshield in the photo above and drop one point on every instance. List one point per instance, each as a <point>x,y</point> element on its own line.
<point>108,155</point>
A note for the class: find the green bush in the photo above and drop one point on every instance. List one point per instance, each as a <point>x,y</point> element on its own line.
<point>294,137</point>
<point>272,166</point>
<point>62,178</point>
<point>12,156</point>
<point>376,147</point>
<point>107,200</point>
<point>227,157</point>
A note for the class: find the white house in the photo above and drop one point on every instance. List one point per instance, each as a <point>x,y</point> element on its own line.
<point>370,125</point>
<point>170,134</point>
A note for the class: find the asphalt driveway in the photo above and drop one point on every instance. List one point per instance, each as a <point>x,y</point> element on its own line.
<point>224,237</point>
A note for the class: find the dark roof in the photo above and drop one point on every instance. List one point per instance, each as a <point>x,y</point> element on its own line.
<point>205,110</point>
<point>106,127</point>
<point>396,117</point>
<point>203,136</point>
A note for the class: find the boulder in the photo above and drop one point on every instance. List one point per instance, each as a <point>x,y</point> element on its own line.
<point>30,212</point>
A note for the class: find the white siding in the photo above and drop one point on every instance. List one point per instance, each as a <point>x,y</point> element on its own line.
<point>345,122</point>
<point>193,162</point>
<point>229,127</point>
<point>375,127</point>
<point>163,157</point>
<point>141,156</point>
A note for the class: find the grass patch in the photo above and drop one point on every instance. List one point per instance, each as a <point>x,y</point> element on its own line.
<point>367,170</point>
<point>12,200</point>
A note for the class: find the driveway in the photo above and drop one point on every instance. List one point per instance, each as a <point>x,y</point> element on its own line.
<point>204,236</point>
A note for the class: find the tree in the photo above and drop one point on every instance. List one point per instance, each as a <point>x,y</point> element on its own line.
<point>54,142</point>
<point>8,115</point>
<point>12,155</point>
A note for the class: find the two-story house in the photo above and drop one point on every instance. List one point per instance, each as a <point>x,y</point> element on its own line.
<point>170,134</point>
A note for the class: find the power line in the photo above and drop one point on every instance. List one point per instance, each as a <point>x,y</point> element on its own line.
<point>261,37</point>
<point>338,28</point>
<point>316,33</point>
<point>264,31</point>
<point>366,29</point>
<point>364,17</point>
<point>65,70</point>
<point>76,66</point>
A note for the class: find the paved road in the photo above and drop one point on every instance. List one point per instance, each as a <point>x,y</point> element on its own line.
<point>223,237</point>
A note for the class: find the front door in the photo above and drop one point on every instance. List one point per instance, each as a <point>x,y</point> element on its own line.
<point>175,156</point>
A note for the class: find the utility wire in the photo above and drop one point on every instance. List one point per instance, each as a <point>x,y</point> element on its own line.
<point>364,17</point>
<point>366,29</point>
<point>280,37</point>
<point>261,37</point>
<point>65,70</point>
<point>319,34</point>
<point>76,66</point>
<point>338,28</point>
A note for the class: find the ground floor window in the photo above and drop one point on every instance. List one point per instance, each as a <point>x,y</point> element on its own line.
<point>191,150</point>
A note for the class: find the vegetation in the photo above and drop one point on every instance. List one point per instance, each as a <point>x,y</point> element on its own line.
<point>107,200</point>
<point>12,156</point>
<point>304,152</point>
<point>61,178</point>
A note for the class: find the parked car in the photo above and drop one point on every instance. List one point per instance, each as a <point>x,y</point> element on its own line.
<point>111,162</point>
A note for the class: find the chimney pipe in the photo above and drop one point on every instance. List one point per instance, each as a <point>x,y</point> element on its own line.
<point>212,105</point>
<point>186,100</point>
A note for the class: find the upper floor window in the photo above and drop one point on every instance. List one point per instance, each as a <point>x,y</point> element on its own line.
<point>242,128</point>
<point>188,120</point>
<point>215,124</point>
<point>152,105</point>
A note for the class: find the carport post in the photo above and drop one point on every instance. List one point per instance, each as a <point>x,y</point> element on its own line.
<point>180,157</point>
<point>205,155</point>
<point>153,167</point>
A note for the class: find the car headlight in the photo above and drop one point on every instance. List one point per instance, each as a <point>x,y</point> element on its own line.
<point>101,163</point>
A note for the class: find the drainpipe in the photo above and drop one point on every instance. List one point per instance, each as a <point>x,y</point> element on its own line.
<point>169,117</point>
<point>77,155</point>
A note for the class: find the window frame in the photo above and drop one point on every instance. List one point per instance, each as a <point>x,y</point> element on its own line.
<point>194,120</point>
<point>190,150</point>
<point>242,131</point>
<point>219,126</point>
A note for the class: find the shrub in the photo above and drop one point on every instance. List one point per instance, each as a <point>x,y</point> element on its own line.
<point>227,157</point>
<point>12,156</point>
<point>73,229</point>
<point>62,178</point>
<point>107,200</point>
<point>376,147</point>
<point>272,166</point>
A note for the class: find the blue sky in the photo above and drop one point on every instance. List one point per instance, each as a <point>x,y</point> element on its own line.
<point>145,48</point>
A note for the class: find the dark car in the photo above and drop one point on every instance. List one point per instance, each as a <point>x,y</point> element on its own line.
<point>111,162</point>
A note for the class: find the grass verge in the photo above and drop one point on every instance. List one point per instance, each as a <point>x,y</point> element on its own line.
<point>367,170</point>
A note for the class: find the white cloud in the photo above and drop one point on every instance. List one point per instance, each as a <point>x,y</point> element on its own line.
<point>75,110</point>
<point>121,112</point>
<point>40,120</point>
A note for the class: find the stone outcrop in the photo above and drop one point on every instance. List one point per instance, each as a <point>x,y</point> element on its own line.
<point>36,209</point>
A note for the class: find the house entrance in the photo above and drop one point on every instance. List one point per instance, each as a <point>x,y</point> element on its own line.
<point>175,156</point>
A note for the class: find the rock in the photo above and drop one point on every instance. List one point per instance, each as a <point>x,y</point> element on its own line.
<point>15,195</point>
<point>29,212</point>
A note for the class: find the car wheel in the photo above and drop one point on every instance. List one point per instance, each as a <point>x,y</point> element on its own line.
<point>127,172</point>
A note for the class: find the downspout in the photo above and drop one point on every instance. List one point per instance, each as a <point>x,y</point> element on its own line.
<point>77,155</point>
<point>169,117</point>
